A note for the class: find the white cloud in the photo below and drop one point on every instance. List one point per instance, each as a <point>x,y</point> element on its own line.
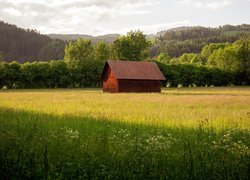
<point>114,16</point>
<point>50,15</point>
<point>147,29</point>
<point>217,5</point>
<point>154,28</point>
<point>12,11</point>
<point>209,4</point>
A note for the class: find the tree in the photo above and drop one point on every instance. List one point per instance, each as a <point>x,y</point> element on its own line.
<point>224,59</point>
<point>102,52</point>
<point>210,48</point>
<point>174,61</point>
<point>164,57</point>
<point>242,48</point>
<point>80,51</point>
<point>186,58</point>
<point>134,46</point>
<point>197,59</point>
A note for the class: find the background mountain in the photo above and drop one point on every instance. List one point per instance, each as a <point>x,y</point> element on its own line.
<point>109,38</point>
<point>24,45</point>
<point>161,33</point>
<point>177,41</point>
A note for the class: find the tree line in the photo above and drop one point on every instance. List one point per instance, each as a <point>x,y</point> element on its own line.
<point>81,67</point>
<point>61,74</point>
<point>217,64</point>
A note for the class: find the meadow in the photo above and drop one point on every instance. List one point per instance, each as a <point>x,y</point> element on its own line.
<point>181,133</point>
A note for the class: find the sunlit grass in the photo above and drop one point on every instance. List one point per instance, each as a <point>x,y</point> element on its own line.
<point>184,133</point>
<point>173,107</point>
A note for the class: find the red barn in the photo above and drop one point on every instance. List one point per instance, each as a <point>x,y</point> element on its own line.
<point>131,76</point>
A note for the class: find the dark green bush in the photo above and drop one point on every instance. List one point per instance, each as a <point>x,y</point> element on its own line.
<point>61,74</point>
<point>191,75</point>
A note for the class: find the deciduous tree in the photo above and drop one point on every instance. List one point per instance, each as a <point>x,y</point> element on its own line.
<point>134,46</point>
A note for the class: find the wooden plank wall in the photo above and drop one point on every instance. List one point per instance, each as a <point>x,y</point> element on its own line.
<point>139,86</point>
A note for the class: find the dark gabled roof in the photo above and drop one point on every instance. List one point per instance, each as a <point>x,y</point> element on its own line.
<point>133,70</point>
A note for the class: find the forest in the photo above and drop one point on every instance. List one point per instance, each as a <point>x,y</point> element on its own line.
<point>194,56</point>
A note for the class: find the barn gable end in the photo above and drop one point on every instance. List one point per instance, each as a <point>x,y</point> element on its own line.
<point>110,83</point>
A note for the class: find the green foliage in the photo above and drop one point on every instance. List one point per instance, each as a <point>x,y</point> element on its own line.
<point>86,74</point>
<point>80,51</point>
<point>198,59</point>
<point>102,51</point>
<point>243,59</point>
<point>53,74</point>
<point>235,58</point>
<point>10,74</point>
<point>60,76</point>
<point>83,63</point>
<point>224,59</point>
<point>36,75</point>
<point>191,75</point>
<point>210,48</point>
<point>63,74</point>
<point>163,57</point>
<point>232,58</point>
<point>186,58</point>
<point>134,46</point>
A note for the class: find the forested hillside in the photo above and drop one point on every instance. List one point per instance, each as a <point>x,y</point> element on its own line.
<point>27,45</point>
<point>178,41</point>
<point>23,45</point>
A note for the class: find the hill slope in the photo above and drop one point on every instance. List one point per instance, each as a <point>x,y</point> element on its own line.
<point>181,40</point>
<point>27,45</point>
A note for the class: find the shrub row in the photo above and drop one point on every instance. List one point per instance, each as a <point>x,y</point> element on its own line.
<point>191,75</point>
<point>53,74</point>
<point>60,74</point>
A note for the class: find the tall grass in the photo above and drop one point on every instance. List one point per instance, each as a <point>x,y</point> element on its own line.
<point>87,134</point>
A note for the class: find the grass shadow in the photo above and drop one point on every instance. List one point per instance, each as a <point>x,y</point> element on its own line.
<point>44,146</point>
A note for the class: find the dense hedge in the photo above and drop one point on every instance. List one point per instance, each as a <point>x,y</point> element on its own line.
<point>53,74</point>
<point>191,75</point>
<point>59,74</point>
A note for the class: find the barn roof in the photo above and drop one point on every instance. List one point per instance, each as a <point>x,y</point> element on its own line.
<point>134,70</point>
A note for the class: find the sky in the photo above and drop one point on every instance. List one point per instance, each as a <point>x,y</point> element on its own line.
<point>99,17</point>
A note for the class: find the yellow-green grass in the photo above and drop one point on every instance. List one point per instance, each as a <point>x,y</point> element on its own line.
<point>181,133</point>
<point>221,107</point>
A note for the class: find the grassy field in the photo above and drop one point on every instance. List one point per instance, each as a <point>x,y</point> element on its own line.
<point>184,133</point>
